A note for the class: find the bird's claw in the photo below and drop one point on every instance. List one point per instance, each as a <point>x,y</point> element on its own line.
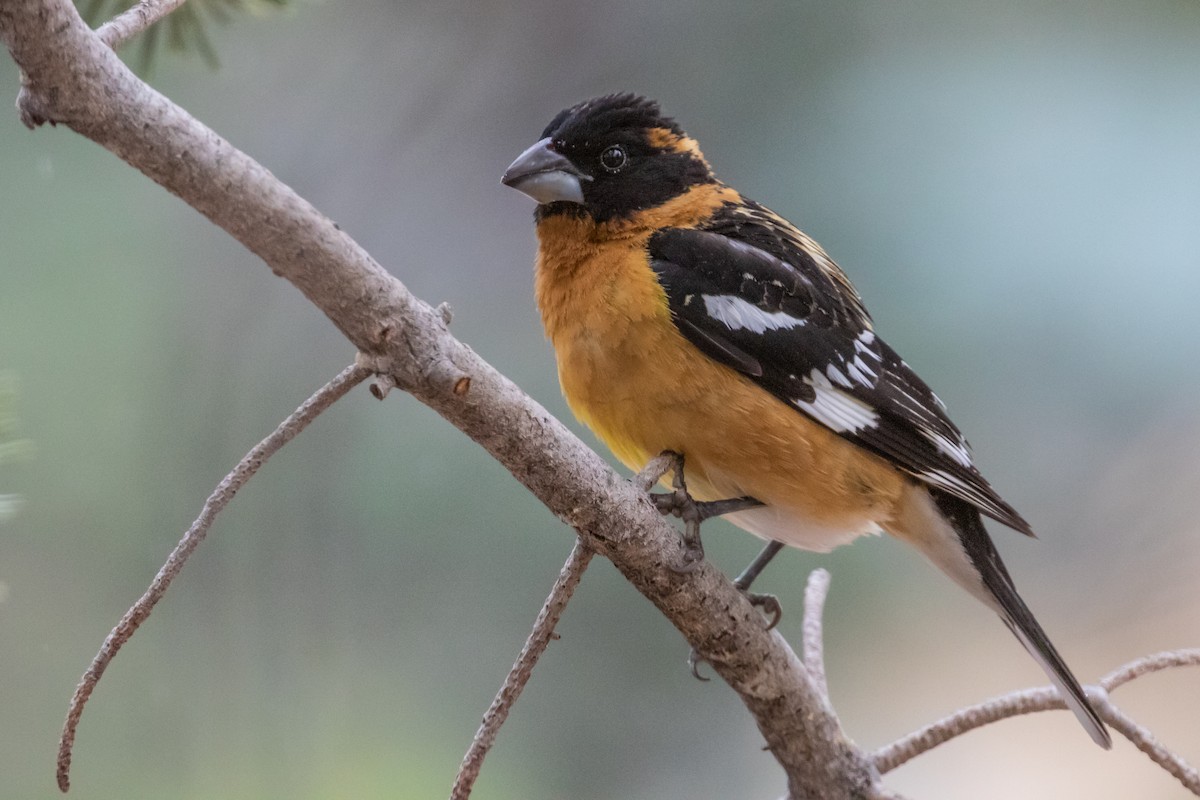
<point>768,604</point>
<point>694,661</point>
<point>693,549</point>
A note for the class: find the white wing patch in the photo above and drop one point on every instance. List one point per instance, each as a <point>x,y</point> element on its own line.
<point>838,377</point>
<point>861,372</point>
<point>956,450</point>
<point>833,408</point>
<point>957,486</point>
<point>737,314</point>
<point>858,367</point>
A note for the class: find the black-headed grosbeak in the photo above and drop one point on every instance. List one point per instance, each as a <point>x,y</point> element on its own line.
<point>686,317</point>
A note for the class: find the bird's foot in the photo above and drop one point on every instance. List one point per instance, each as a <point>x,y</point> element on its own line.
<point>768,604</point>
<point>679,503</point>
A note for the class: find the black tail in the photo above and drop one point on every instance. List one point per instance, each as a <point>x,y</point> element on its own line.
<point>979,548</point>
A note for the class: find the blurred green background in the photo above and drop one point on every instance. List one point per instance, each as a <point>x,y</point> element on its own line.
<point>1015,189</point>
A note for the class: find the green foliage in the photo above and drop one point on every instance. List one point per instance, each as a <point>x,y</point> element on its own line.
<point>11,449</point>
<point>184,29</point>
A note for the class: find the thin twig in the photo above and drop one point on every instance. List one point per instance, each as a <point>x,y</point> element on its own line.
<point>1145,741</point>
<point>1047,698</point>
<point>522,669</point>
<point>816,590</point>
<point>123,27</point>
<point>226,489</point>
<point>658,466</point>
<point>1027,701</point>
<point>813,639</point>
<point>536,644</point>
<point>1148,664</point>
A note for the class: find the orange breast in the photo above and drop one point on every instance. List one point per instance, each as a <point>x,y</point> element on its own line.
<point>630,376</point>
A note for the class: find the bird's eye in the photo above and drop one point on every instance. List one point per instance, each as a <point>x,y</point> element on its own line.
<point>613,158</point>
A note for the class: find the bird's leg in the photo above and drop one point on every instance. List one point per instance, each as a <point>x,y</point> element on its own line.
<point>680,504</point>
<point>769,603</point>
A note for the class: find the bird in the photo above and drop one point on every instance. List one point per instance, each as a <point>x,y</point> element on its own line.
<point>688,318</point>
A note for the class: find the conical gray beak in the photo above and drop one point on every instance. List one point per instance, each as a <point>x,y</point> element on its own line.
<point>546,175</point>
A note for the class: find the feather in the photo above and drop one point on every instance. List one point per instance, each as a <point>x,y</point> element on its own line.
<point>754,293</point>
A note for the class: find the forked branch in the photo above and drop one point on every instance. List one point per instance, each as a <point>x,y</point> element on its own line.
<point>1047,698</point>
<point>1028,701</point>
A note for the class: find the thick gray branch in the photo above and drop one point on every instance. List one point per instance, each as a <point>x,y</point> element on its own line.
<point>73,78</point>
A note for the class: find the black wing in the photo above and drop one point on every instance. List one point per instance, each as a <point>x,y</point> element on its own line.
<point>754,293</point>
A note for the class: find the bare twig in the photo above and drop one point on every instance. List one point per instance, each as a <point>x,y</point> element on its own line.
<point>226,489</point>
<point>1145,741</point>
<point>536,644</point>
<point>813,658</point>
<point>813,638</point>
<point>518,676</point>
<point>1028,701</point>
<point>1047,698</point>
<point>658,466</point>
<point>1148,664</point>
<point>123,27</point>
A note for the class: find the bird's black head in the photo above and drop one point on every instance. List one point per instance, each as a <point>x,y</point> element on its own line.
<point>608,158</point>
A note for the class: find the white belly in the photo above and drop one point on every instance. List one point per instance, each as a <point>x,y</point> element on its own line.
<point>783,525</point>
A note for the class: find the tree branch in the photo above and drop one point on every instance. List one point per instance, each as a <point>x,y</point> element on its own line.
<point>326,396</point>
<point>518,676</point>
<point>128,24</point>
<point>1149,664</point>
<point>536,644</point>
<point>1047,698</point>
<point>1145,741</point>
<point>813,636</point>
<point>964,720</point>
<point>73,78</point>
